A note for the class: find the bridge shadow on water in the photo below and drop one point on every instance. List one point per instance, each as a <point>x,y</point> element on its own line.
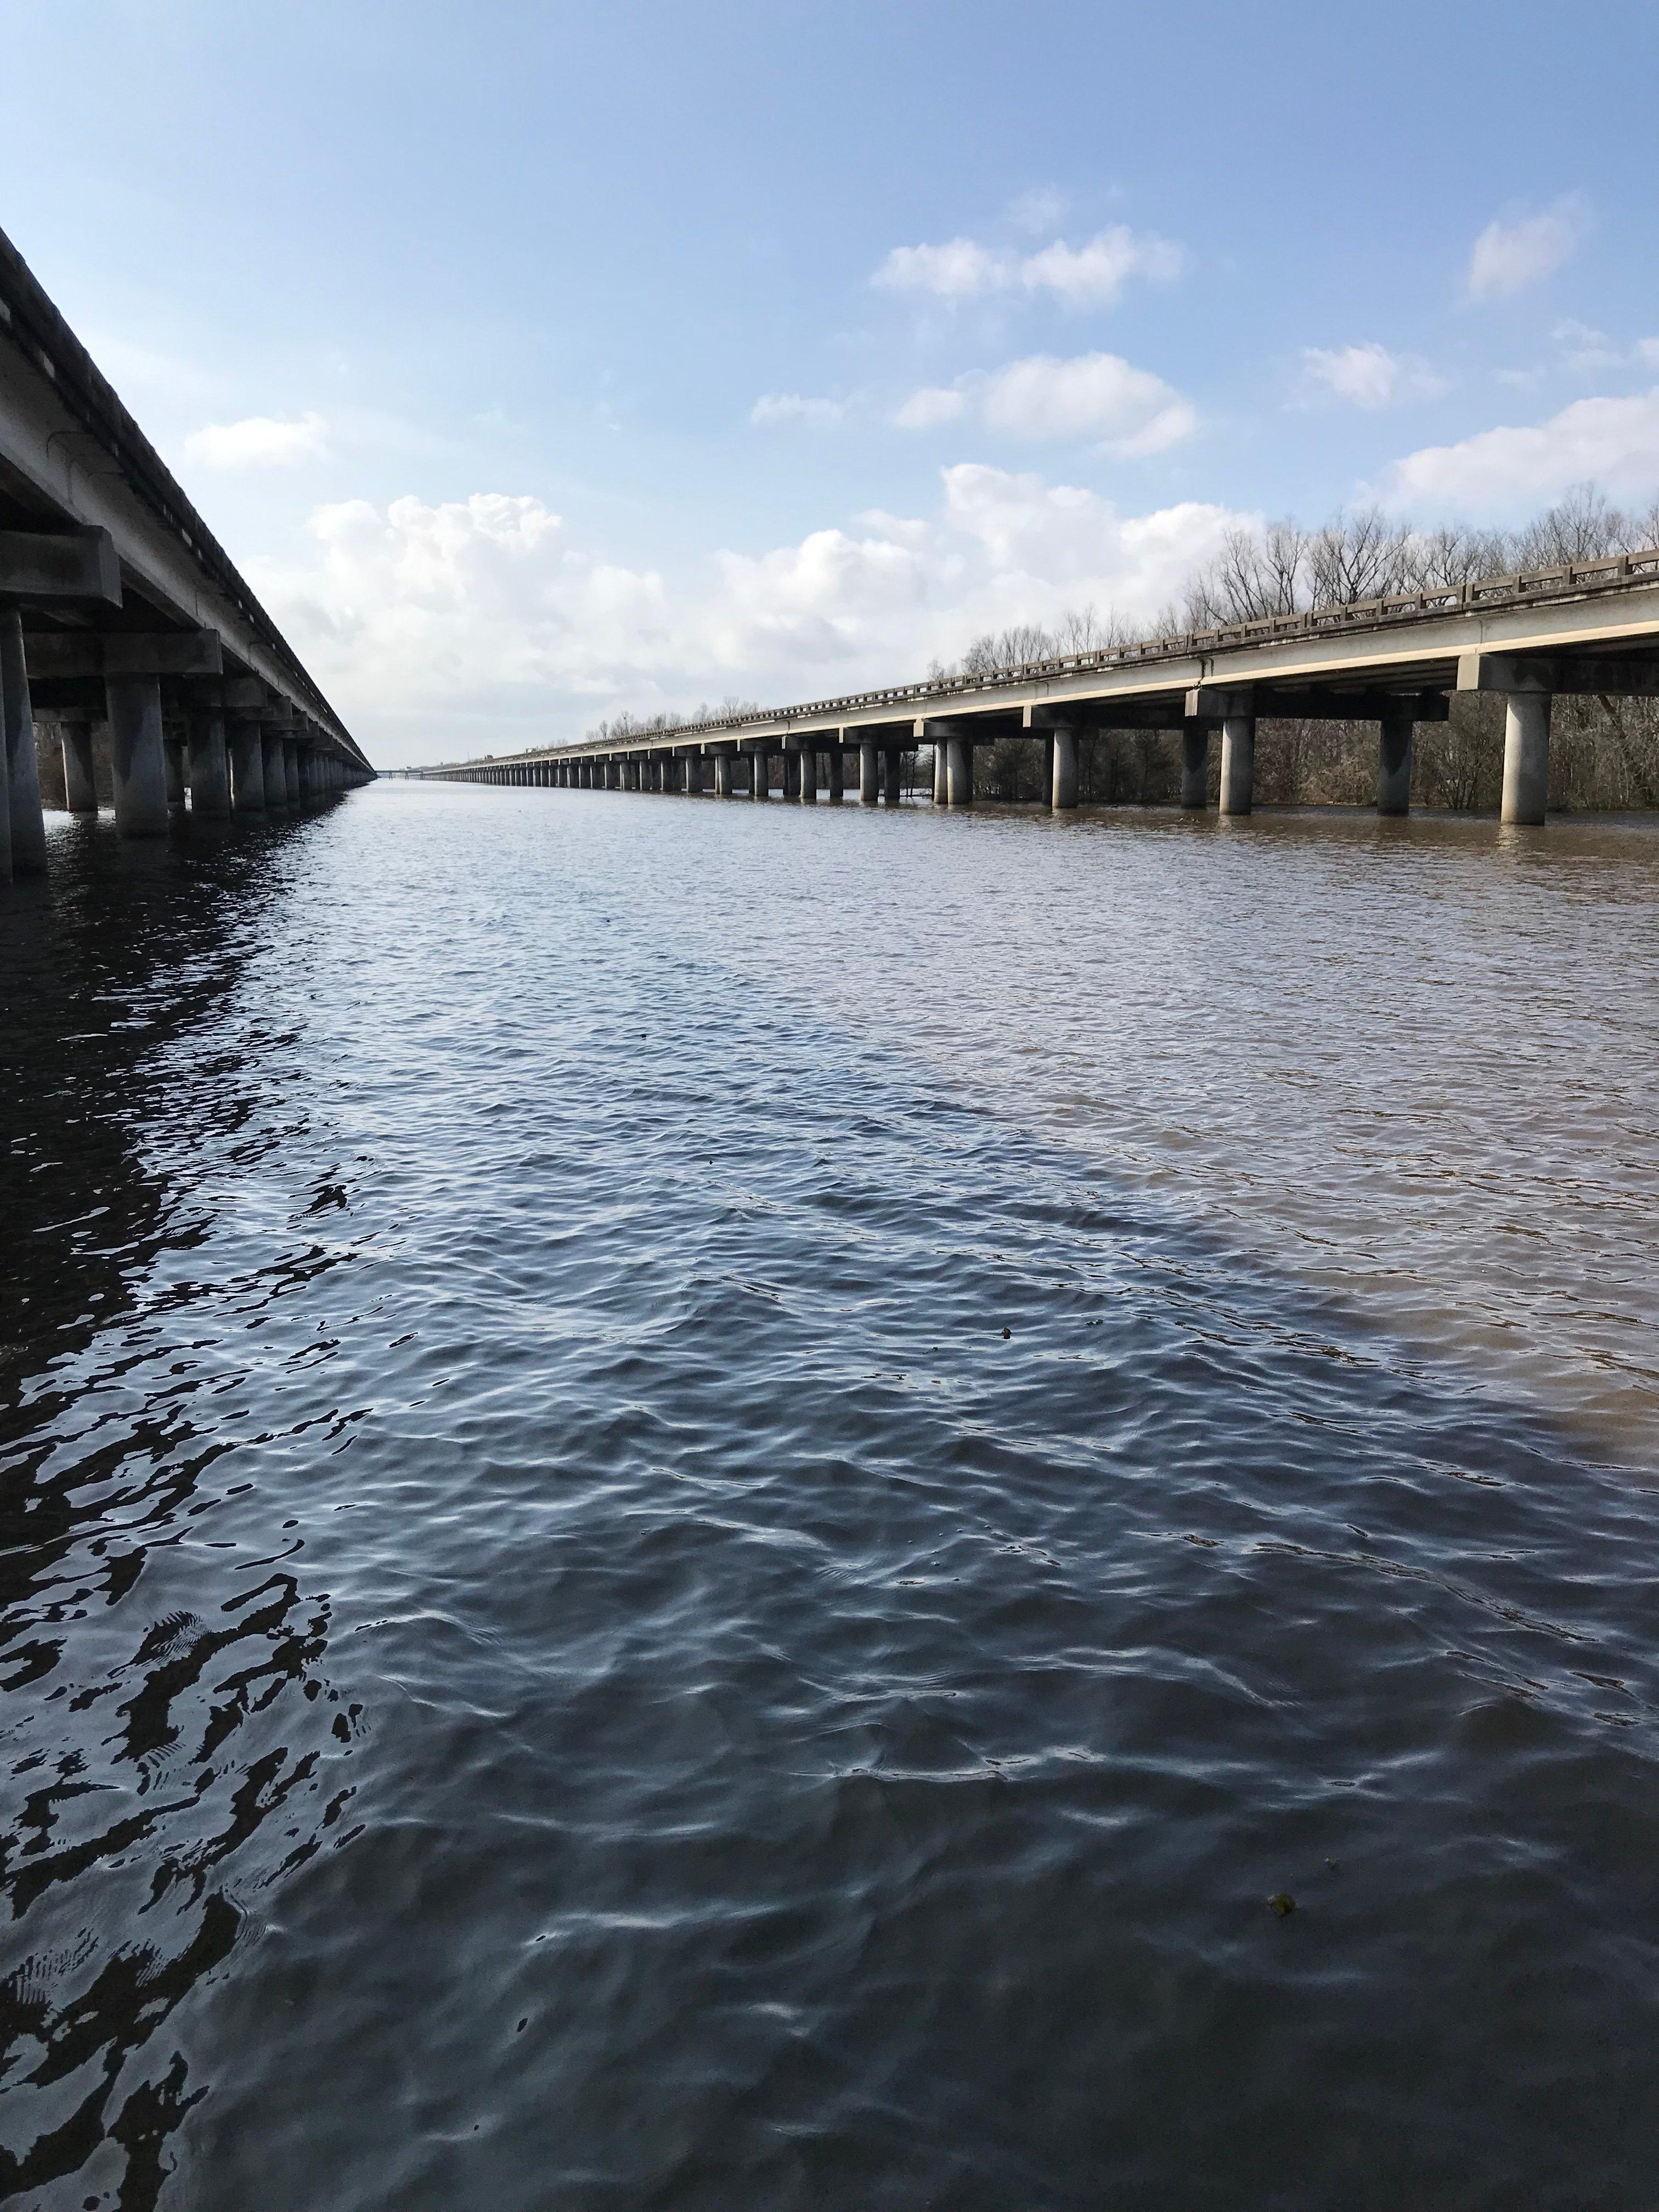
<point>620,1592</point>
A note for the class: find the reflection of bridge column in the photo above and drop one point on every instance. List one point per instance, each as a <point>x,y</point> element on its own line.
<point>27,824</point>
<point>1238,757</point>
<point>868,773</point>
<point>1393,757</point>
<point>1194,764</point>
<point>80,789</point>
<point>135,745</point>
<point>1526,756</point>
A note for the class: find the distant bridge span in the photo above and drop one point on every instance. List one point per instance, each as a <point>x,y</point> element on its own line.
<point>118,606</point>
<point>1592,627</point>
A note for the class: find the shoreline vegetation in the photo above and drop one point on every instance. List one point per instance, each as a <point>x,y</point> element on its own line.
<point>1604,752</point>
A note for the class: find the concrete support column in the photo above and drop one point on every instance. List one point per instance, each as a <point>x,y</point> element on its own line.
<point>1238,763</point>
<point>693,775</point>
<point>941,789</point>
<point>135,749</point>
<point>1062,791</point>
<point>291,770</point>
<point>1394,758</point>
<point>959,772</point>
<point>79,791</point>
<point>206,766</point>
<point>809,776</point>
<point>275,775</point>
<point>172,754</point>
<point>722,775</point>
<point>893,774</point>
<point>867,772</point>
<point>760,774</point>
<point>837,773</point>
<point>1194,764</point>
<point>791,775</point>
<point>27,824</point>
<point>1526,757</point>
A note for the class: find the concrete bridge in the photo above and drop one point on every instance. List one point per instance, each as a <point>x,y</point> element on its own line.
<point>118,608</point>
<point>1589,628</point>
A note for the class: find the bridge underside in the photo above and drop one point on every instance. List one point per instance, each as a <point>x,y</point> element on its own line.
<point>123,621</point>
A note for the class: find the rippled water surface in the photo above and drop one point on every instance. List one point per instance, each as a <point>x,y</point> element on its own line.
<point>699,1499</point>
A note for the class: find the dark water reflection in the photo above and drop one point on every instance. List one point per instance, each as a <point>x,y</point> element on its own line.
<point>699,1499</point>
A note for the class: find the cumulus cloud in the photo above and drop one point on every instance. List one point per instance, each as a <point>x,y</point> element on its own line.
<point>1094,396</point>
<point>1509,255</point>
<point>1591,351</point>
<point>259,441</point>
<point>773,407</point>
<point>477,624</point>
<point>1613,442</point>
<point>957,270</point>
<point>1368,375</point>
<point>1092,275</point>
<point>934,404</point>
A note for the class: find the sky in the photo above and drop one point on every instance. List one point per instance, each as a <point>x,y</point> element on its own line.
<point>535,363</point>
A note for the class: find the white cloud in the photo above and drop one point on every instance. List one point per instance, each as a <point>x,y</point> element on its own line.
<point>1038,210</point>
<point>1092,275</point>
<point>934,404</point>
<point>259,441</point>
<point>792,407</point>
<point>955,271</point>
<point>1592,350</point>
<point>1094,396</point>
<point>1614,442</point>
<point>1508,256</point>
<point>475,624</point>
<point>1368,375</point>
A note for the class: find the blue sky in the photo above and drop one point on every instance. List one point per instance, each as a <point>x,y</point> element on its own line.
<point>536,363</point>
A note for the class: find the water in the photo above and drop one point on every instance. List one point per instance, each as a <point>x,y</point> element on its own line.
<point>700,1500</point>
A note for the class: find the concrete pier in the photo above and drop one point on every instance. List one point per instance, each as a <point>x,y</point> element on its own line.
<point>172,759</point>
<point>247,768</point>
<point>206,766</point>
<point>27,822</point>
<point>837,772</point>
<point>868,772</point>
<point>723,775</point>
<point>809,776</point>
<point>958,771</point>
<point>760,773</point>
<point>1062,789</point>
<point>135,755</point>
<point>1393,757</point>
<point>79,786</point>
<point>1238,761</point>
<point>1194,764</point>
<point>893,774</point>
<point>274,774</point>
<point>941,793</point>
<point>291,771</point>
<point>1526,756</point>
